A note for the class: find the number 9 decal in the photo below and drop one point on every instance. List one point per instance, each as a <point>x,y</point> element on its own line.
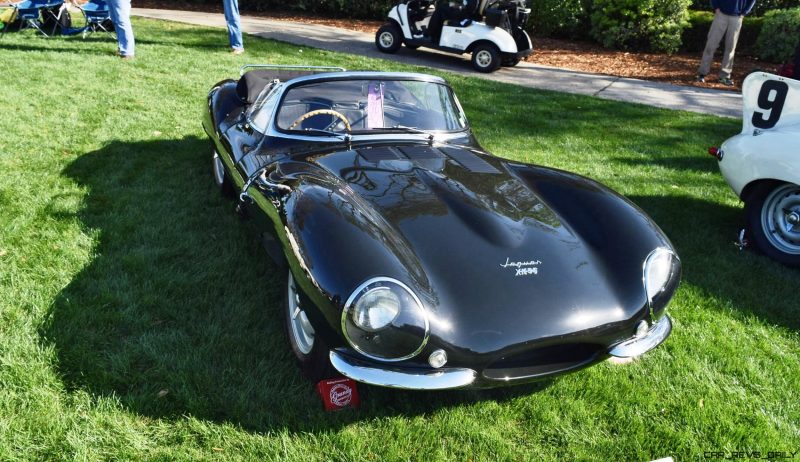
<point>774,105</point>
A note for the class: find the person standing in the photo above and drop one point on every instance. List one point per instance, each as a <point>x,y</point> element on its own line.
<point>120,11</point>
<point>728,17</point>
<point>234,26</point>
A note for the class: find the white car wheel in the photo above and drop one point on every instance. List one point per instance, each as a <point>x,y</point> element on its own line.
<point>780,217</point>
<point>773,221</point>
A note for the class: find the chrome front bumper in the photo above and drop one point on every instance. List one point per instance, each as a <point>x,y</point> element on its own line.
<point>637,346</point>
<point>412,379</point>
<point>446,378</point>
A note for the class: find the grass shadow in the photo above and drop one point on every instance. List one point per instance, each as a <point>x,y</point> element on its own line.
<point>178,311</point>
<point>743,281</point>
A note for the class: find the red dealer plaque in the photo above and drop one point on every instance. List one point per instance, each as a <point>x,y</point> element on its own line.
<point>338,393</point>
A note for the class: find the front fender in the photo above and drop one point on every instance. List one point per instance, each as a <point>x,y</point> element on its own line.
<point>334,241</point>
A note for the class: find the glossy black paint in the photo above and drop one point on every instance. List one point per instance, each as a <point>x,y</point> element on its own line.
<point>448,220</point>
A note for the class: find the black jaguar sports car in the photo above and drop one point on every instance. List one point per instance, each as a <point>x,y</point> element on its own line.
<point>415,258</point>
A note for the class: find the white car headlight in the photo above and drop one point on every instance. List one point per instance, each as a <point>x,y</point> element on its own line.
<point>661,276</point>
<point>383,319</point>
<point>376,309</point>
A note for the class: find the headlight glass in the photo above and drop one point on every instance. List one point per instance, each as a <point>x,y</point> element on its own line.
<point>376,309</point>
<point>383,319</point>
<point>661,276</point>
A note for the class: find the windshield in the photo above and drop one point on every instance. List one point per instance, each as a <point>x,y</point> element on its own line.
<point>370,105</point>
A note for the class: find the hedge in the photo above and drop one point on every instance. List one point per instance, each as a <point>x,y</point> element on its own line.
<point>694,36</point>
<point>779,35</point>
<point>640,24</point>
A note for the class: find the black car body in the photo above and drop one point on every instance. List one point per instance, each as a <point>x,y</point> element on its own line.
<point>417,259</point>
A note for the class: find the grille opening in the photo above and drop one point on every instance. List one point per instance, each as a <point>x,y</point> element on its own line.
<point>543,361</point>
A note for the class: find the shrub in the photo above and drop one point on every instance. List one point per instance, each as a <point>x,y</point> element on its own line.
<point>560,18</point>
<point>694,36</point>
<point>779,35</point>
<point>640,24</point>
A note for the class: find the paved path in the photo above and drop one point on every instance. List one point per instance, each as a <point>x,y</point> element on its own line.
<point>706,101</point>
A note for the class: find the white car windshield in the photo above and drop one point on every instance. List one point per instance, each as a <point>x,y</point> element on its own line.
<point>367,106</point>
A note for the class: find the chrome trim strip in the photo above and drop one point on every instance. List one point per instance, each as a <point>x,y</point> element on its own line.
<point>352,298</point>
<point>639,345</point>
<point>406,378</point>
<point>244,68</point>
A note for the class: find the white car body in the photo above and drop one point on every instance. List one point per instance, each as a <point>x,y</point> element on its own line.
<point>768,148</point>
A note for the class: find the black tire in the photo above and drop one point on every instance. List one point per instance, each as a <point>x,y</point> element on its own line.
<point>388,39</point>
<point>511,62</point>
<point>772,212</point>
<point>312,359</point>
<point>220,176</point>
<point>485,58</point>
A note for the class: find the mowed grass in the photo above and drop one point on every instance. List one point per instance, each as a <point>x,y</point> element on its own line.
<point>139,318</point>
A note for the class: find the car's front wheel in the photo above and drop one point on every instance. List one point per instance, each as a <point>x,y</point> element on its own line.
<point>309,349</point>
<point>773,221</point>
<point>220,175</point>
<point>388,39</point>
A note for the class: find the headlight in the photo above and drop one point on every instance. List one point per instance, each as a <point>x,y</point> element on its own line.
<point>661,276</point>
<point>383,319</point>
<point>376,309</point>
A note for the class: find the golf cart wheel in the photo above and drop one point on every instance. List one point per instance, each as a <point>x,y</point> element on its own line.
<point>511,62</point>
<point>485,58</point>
<point>308,348</point>
<point>388,39</point>
<point>773,221</point>
<point>221,178</point>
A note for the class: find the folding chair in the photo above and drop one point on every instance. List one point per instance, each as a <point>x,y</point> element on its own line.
<point>98,17</point>
<point>30,13</point>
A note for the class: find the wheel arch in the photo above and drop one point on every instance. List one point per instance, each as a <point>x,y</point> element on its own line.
<point>748,189</point>
<point>475,44</point>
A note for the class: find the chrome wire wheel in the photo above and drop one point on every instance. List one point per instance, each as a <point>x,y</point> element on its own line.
<point>301,333</point>
<point>780,218</point>
<point>219,169</point>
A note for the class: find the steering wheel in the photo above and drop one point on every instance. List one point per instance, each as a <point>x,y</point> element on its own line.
<point>315,112</point>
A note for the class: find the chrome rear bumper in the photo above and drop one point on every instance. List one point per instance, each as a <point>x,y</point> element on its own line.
<point>636,346</point>
<point>395,377</point>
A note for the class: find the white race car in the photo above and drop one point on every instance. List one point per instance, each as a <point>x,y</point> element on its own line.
<point>762,165</point>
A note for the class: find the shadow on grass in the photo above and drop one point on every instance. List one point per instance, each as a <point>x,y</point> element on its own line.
<point>746,281</point>
<point>177,313</point>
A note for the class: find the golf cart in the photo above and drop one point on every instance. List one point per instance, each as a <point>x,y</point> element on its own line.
<point>492,30</point>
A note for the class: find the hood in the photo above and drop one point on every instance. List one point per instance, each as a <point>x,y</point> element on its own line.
<point>510,252</point>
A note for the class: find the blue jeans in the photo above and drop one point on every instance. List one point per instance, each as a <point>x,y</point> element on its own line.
<point>234,27</point>
<point>121,17</point>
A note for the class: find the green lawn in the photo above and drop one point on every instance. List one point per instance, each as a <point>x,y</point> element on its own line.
<point>139,318</point>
